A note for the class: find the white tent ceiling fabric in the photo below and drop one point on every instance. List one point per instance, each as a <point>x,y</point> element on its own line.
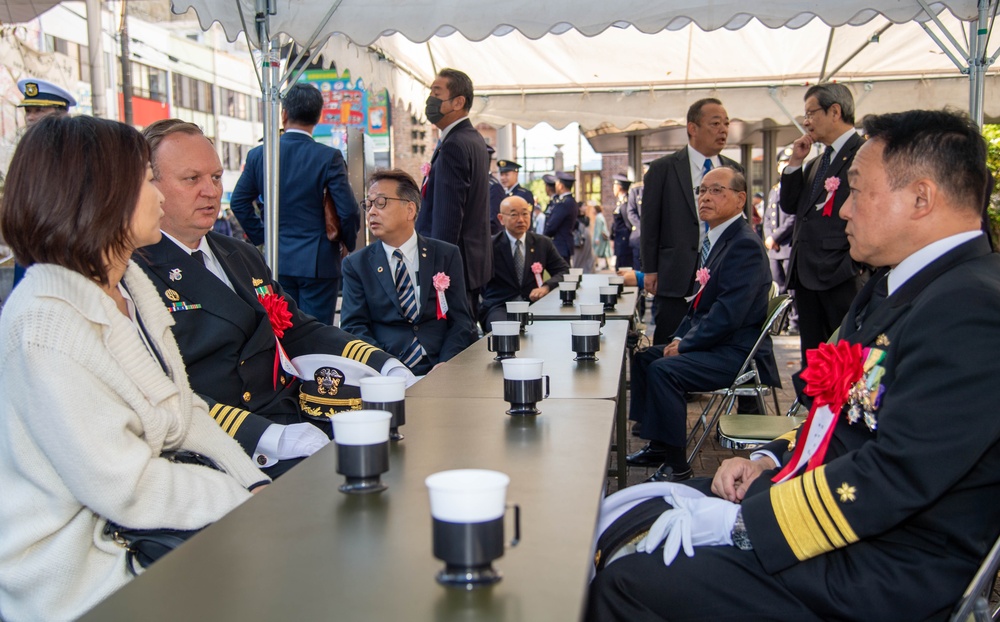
<point>629,64</point>
<point>17,11</point>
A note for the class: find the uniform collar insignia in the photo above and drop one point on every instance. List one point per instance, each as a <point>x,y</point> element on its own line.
<point>175,274</point>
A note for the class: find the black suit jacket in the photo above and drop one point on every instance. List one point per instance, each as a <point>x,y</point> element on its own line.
<point>226,338</point>
<point>914,501</point>
<point>821,256</point>
<point>307,168</point>
<point>456,204</point>
<point>669,225</point>
<point>733,306</point>
<point>505,285</point>
<point>371,308</point>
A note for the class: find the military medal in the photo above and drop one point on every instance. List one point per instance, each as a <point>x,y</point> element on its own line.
<point>172,295</point>
<point>175,274</point>
<point>257,282</point>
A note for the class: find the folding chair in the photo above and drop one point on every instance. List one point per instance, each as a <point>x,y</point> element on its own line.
<point>975,602</point>
<point>747,382</point>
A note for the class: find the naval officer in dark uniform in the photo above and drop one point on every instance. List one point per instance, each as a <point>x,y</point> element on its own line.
<point>621,226</point>
<point>560,217</point>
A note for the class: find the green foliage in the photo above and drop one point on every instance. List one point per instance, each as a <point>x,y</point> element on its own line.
<point>992,135</point>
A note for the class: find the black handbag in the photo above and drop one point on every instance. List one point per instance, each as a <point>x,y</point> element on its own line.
<point>145,546</point>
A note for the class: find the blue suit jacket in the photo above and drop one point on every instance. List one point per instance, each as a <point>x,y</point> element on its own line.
<point>560,220</point>
<point>733,305</point>
<point>456,203</point>
<point>371,308</point>
<point>307,167</point>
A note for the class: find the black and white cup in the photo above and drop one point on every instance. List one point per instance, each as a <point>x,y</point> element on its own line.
<point>586,339</point>
<point>592,311</point>
<point>609,296</point>
<point>386,393</point>
<point>517,310</point>
<point>362,438</point>
<point>567,292</point>
<point>467,513</point>
<point>578,272</point>
<point>618,281</point>
<point>524,385</point>
<point>505,339</point>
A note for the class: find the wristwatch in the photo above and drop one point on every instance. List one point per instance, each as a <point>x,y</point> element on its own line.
<point>741,539</point>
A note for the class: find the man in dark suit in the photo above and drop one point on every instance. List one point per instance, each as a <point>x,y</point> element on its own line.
<point>456,201</point>
<point>822,273</point>
<point>537,254</point>
<point>891,520</point>
<point>778,227</point>
<point>308,263</point>
<point>670,230</point>
<point>405,293</point>
<point>560,217</point>
<point>722,324</point>
<point>230,316</point>
<point>621,226</point>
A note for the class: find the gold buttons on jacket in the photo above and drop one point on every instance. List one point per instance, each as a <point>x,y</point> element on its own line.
<point>246,396</point>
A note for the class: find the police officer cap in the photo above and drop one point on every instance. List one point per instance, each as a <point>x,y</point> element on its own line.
<point>490,150</point>
<point>43,93</point>
<point>564,176</point>
<point>621,179</point>
<point>785,155</point>
<point>758,195</point>
<point>508,165</point>
<point>549,179</point>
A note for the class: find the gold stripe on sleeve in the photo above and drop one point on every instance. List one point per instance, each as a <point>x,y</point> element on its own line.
<point>832,508</point>
<point>239,421</point>
<point>795,519</point>
<point>812,485</point>
<point>230,417</point>
<point>219,412</point>
<point>359,351</point>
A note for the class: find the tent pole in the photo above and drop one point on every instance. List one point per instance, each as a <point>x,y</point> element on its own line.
<point>978,64</point>
<point>270,61</point>
<point>634,158</point>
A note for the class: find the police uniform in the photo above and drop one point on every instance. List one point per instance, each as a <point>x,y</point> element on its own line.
<point>500,193</point>
<point>621,226</point>
<point>561,218</point>
<point>230,348</point>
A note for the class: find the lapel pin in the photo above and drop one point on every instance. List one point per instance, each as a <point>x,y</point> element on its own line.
<point>380,268</point>
<point>424,255</point>
<point>175,274</point>
<point>882,340</point>
<point>257,282</point>
<point>172,295</point>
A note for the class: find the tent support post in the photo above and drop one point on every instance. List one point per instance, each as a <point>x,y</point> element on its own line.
<point>978,63</point>
<point>270,61</point>
<point>635,158</point>
<point>770,137</point>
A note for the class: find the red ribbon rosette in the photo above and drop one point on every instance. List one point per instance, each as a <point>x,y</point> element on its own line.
<point>831,371</point>
<point>281,318</point>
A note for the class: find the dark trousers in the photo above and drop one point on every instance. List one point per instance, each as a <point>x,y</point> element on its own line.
<point>659,384</point>
<point>317,297</point>
<point>821,312</point>
<point>718,583</point>
<point>667,314</point>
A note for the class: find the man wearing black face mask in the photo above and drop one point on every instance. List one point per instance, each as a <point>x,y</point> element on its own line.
<point>456,202</point>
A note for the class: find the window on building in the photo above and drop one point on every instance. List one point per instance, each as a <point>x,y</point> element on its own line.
<point>147,82</point>
<point>234,104</point>
<point>192,94</point>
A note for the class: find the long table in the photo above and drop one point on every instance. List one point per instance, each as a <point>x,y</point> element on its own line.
<point>550,306</point>
<point>301,550</point>
<point>475,373</point>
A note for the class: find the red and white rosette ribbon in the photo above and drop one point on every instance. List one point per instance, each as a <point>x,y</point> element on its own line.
<point>280,318</point>
<point>830,185</point>
<point>830,372</point>
<point>536,269</point>
<point>702,276</point>
<point>441,281</point>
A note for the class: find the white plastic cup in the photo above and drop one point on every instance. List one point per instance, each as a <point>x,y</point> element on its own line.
<point>576,271</point>
<point>383,389</point>
<point>586,328</point>
<point>467,495</point>
<point>567,286</point>
<point>616,280</point>
<point>609,290</point>
<point>361,427</point>
<point>591,308</point>
<point>522,369</point>
<point>506,328</point>
<point>517,306</point>
<point>572,278</point>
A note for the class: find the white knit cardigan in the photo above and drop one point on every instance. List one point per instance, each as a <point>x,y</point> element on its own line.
<point>85,412</point>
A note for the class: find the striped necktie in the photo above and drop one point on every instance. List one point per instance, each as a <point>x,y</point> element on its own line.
<point>706,247</point>
<point>518,261</point>
<point>408,301</point>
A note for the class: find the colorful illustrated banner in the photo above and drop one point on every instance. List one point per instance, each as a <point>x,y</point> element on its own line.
<point>347,104</point>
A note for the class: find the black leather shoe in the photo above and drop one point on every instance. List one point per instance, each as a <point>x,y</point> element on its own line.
<point>666,473</point>
<point>647,456</point>
<point>637,428</point>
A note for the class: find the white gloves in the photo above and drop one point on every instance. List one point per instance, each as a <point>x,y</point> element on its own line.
<point>694,521</point>
<point>299,440</point>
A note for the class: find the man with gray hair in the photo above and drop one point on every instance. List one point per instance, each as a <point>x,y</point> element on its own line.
<point>822,274</point>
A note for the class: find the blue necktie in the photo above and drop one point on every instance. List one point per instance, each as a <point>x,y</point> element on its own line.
<point>408,301</point>
<point>706,247</point>
<point>708,166</point>
<point>820,177</point>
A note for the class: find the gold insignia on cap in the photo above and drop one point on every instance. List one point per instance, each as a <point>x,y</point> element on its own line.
<point>257,282</point>
<point>882,340</point>
<point>846,493</point>
<point>30,89</point>
<point>172,295</point>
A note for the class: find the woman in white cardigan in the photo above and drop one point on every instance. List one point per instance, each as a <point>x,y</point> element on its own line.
<point>92,386</point>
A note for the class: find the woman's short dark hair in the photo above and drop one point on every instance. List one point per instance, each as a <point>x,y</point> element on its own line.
<point>71,193</point>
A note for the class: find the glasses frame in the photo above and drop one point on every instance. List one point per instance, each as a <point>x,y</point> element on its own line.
<point>812,113</point>
<point>712,190</point>
<point>369,204</point>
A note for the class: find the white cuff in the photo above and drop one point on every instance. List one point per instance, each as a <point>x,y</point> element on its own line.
<point>763,453</point>
<point>394,368</point>
<point>267,446</point>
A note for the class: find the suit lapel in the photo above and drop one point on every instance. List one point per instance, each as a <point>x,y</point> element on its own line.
<point>502,255</point>
<point>383,273</point>
<point>837,165</point>
<point>682,169</point>
<point>426,259</point>
<point>195,284</point>
<point>722,243</point>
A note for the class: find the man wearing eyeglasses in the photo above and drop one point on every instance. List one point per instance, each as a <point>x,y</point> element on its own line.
<point>722,323</point>
<point>406,293</point>
<point>821,272</point>
<point>670,229</point>
<point>516,252</point>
